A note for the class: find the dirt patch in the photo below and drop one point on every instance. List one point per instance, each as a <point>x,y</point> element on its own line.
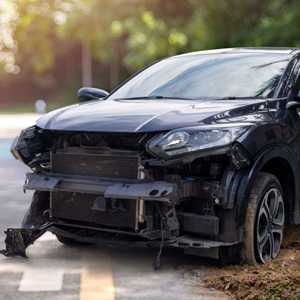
<point>277,279</point>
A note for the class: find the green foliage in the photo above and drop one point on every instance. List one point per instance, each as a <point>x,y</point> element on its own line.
<point>157,31</point>
<point>140,31</point>
<point>280,24</point>
<point>283,290</point>
<point>9,19</point>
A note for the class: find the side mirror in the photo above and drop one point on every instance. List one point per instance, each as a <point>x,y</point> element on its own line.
<point>293,104</point>
<point>88,94</point>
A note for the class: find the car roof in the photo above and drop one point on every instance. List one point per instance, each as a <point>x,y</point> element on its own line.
<point>266,50</point>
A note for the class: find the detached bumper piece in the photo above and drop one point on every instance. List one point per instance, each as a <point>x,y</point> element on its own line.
<point>17,240</point>
<point>199,246</point>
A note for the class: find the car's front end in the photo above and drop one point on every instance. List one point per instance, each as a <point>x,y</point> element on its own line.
<point>170,167</point>
<point>172,185</point>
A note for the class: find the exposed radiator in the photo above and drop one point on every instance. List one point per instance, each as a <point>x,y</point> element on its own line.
<point>78,206</point>
<point>95,165</point>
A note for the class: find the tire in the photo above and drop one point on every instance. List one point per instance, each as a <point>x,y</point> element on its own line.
<point>71,242</point>
<point>67,241</point>
<point>264,224</point>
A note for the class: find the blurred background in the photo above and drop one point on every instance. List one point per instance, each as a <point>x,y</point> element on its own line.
<point>49,49</point>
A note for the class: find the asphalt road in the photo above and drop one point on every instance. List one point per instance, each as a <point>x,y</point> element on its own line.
<point>87,272</point>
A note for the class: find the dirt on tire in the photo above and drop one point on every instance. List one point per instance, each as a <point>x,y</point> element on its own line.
<point>277,279</point>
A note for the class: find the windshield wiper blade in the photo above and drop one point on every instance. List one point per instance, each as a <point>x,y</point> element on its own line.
<point>191,98</point>
<point>237,98</point>
<point>153,97</point>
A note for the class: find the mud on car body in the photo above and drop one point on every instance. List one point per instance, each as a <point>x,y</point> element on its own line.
<point>198,151</point>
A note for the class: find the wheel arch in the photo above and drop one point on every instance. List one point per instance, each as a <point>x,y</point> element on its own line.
<point>280,168</point>
<point>282,163</point>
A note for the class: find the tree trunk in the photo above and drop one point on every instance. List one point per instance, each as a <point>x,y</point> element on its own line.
<point>114,71</point>
<point>87,80</point>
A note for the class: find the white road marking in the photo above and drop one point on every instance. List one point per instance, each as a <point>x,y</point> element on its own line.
<point>41,280</point>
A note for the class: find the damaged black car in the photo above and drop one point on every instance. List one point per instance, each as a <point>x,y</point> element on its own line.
<point>199,151</point>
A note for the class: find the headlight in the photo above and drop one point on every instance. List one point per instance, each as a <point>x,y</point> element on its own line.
<point>191,139</point>
<point>175,140</point>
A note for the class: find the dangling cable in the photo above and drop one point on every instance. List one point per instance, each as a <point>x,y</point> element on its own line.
<point>162,219</point>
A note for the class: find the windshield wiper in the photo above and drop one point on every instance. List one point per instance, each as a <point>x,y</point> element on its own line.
<point>237,98</point>
<point>191,98</point>
<point>153,97</point>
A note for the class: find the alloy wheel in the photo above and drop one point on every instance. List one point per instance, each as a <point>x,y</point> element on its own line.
<point>270,225</point>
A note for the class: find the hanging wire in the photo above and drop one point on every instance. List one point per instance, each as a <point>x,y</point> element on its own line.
<point>162,219</point>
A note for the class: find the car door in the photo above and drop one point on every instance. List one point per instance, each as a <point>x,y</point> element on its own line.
<point>292,92</point>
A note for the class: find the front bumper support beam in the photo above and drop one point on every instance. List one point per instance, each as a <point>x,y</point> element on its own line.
<point>109,188</point>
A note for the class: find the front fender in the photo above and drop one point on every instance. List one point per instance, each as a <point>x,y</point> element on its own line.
<point>249,175</point>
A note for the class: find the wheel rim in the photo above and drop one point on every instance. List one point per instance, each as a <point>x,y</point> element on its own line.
<point>270,225</point>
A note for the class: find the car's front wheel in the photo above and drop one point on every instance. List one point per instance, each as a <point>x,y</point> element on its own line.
<point>264,223</point>
<point>66,240</point>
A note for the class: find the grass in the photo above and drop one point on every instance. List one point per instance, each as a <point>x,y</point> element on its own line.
<point>282,290</point>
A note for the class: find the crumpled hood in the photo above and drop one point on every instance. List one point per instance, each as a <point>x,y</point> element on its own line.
<point>143,115</point>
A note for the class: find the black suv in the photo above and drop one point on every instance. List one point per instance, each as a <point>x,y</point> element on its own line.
<point>199,151</point>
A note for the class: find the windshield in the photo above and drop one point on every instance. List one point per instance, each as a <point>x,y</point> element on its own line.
<point>208,76</point>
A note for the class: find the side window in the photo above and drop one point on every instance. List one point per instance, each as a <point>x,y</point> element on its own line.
<point>292,80</point>
<point>294,84</point>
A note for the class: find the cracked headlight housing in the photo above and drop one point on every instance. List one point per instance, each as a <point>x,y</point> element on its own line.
<point>190,139</point>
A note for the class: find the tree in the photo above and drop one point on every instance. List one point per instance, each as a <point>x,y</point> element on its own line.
<point>9,19</point>
<point>43,42</point>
